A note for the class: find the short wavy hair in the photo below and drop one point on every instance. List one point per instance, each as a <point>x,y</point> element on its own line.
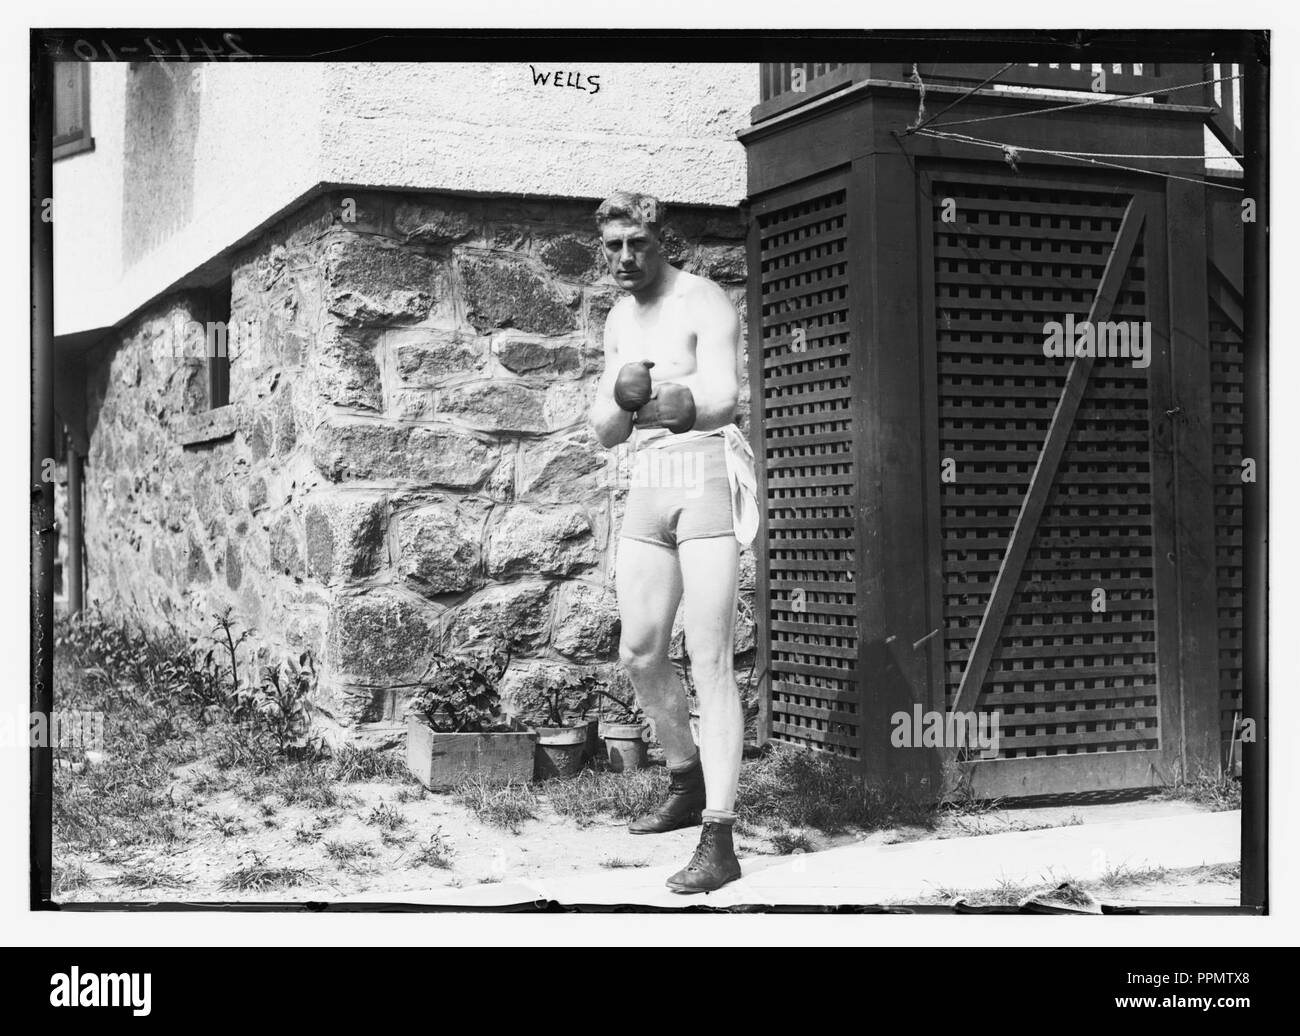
<point>645,209</point>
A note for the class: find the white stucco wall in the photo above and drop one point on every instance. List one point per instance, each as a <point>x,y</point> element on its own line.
<point>668,129</point>
<point>260,135</point>
<point>257,147</point>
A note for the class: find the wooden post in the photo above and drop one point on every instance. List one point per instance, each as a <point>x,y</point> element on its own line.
<point>762,620</point>
<point>1254,531</point>
<point>1189,430</point>
<point>895,619</point>
<point>42,491</point>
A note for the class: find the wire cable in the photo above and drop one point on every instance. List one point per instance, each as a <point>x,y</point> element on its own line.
<point>1013,149</point>
<point>1049,151</point>
<point>968,93</point>
<point>1086,104</point>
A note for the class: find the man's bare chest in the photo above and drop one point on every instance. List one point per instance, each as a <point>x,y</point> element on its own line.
<point>667,338</point>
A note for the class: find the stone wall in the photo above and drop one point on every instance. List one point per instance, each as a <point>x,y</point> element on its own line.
<point>405,462</point>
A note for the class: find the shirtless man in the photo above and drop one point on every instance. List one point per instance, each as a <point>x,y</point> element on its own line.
<point>670,385</point>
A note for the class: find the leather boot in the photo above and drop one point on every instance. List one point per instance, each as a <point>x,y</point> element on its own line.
<point>713,865</point>
<point>680,809</point>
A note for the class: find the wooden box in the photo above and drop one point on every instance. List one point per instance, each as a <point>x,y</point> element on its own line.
<point>440,761</point>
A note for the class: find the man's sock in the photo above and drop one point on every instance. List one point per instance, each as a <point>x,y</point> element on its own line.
<point>688,764</point>
<point>719,816</point>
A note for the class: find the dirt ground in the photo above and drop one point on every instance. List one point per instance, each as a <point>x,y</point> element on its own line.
<point>184,808</point>
<point>377,853</point>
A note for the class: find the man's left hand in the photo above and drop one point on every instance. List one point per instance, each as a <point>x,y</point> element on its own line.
<point>672,406</point>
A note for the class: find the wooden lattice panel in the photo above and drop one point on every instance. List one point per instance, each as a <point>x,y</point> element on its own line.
<point>809,465</point>
<point>1064,679</point>
<point>1226,374</point>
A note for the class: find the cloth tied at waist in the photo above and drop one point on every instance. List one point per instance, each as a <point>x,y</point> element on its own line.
<point>740,470</point>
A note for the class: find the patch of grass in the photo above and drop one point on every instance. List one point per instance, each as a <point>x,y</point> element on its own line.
<point>236,746</point>
<point>142,683</point>
<point>1216,792</point>
<point>572,798</point>
<point>227,824</point>
<point>500,804</point>
<point>596,793</point>
<point>327,820</point>
<point>259,876</point>
<point>68,879</point>
<point>958,794</point>
<point>409,793</point>
<point>966,825</point>
<point>618,863</point>
<point>173,830</point>
<point>1009,891</point>
<point>307,835</point>
<point>1078,893</point>
<point>817,790</point>
<point>352,765</point>
<point>343,851</point>
<point>785,786</point>
<point>788,842</point>
<point>152,876</point>
<point>436,852</point>
<point>386,817</point>
<point>1068,894</point>
<point>1230,872</point>
<point>205,782</point>
<point>308,784</point>
<point>1123,875</point>
<point>123,803</point>
<point>255,791</point>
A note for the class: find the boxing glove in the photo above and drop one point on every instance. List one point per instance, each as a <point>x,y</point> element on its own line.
<point>632,387</point>
<point>672,407</point>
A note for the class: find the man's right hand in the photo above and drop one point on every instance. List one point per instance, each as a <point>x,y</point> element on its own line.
<point>632,388</point>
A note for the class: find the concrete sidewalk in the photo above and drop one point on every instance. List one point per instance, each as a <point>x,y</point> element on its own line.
<point>900,873</point>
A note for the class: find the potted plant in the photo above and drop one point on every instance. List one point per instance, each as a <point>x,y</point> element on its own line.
<point>623,731</point>
<point>562,746</point>
<point>454,724</point>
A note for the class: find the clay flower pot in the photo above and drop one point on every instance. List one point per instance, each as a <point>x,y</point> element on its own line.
<point>561,751</point>
<point>624,745</point>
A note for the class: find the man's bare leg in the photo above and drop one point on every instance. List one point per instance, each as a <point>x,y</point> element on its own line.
<point>709,580</point>
<point>709,575</point>
<point>649,590</point>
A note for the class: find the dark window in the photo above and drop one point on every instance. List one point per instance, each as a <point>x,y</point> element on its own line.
<point>218,307</point>
<point>71,108</point>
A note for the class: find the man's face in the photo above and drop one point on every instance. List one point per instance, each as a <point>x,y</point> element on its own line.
<point>632,252</point>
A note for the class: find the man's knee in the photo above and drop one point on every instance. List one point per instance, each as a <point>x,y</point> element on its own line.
<point>712,669</point>
<point>641,656</point>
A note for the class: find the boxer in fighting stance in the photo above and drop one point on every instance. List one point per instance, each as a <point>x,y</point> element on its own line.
<point>670,386</point>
